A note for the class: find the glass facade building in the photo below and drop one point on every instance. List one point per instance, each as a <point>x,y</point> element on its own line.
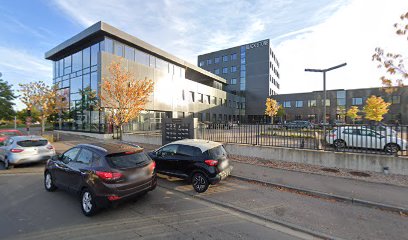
<point>79,65</point>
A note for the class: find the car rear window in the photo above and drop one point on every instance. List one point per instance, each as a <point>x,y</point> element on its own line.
<point>126,160</point>
<point>217,152</point>
<point>32,143</point>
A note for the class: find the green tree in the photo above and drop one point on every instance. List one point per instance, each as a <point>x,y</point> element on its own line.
<point>281,112</point>
<point>6,100</point>
<point>22,115</point>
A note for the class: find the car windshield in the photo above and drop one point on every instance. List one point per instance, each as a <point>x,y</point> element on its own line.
<point>127,160</point>
<point>217,152</point>
<point>32,143</point>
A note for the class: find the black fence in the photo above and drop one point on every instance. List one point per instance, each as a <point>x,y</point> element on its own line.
<point>373,139</point>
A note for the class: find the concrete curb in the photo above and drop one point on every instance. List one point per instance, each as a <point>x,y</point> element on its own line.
<point>258,216</point>
<point>329,195</point>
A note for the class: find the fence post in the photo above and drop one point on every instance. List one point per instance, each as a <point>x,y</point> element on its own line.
<point>257,133</point>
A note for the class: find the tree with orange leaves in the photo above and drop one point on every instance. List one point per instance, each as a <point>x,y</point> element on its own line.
<point>375,108</point>
<point>272,108</point>
<point>393,62</point>
<point>42,97</point>
<point>122,96</point>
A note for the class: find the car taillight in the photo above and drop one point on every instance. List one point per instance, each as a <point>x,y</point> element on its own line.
<point>113,198</point>
<point>153,166</point>
<point>211,162</point>
<point>108,175</point>
<point>50,147</point>
<point>16,150</point>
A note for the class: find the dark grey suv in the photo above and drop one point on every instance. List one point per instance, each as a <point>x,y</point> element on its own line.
<point>101,174</point>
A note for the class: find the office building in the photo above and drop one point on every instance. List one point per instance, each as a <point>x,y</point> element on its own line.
<point>251,71</point>
<point>181,89</point>
<point>309,105</point>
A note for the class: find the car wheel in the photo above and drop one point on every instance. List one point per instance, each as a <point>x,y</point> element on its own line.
<point>339,144</point>
<point>391,148</point>
<point>88,204</point>
<point>49,183</point>
<point>200,182</point>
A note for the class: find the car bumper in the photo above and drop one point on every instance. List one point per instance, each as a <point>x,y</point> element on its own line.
<point>102,200</point>
<point>221,176</point>
<point>15,160</point>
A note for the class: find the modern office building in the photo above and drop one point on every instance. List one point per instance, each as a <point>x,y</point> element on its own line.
<point>309,105</point>
<point>181,89</point>
<point>251,71</point>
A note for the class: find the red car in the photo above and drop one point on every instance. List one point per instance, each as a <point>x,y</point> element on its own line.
<point>5,133</point>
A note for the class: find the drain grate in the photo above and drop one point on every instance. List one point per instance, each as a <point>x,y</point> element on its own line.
<point>360,174</point>
<point>333,170</point>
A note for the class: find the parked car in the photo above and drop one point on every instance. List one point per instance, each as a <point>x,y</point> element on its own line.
<point>199,161</point>
<point>220,125</point>
<point>102,174</point>
<point>362,137</point>
<point>25,149</point>
<point>298,124</point>
<point>6,133</point>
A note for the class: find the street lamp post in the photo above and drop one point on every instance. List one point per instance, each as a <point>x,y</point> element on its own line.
<point>324,86</point>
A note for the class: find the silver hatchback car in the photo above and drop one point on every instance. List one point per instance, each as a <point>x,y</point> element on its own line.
<point>25,149</point>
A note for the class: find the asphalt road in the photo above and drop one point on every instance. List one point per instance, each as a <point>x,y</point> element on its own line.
<point>29,212</point>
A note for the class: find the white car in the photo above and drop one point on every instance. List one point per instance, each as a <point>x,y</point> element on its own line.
<point>363,137</point>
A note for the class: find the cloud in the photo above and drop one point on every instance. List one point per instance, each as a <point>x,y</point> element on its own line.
<point>350,35</point>
<point>189,28</point>
<point>20,66</point>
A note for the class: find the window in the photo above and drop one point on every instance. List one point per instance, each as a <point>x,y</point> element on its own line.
<point>225,70</point>
<point>357,101</point>
<point>168,150</point>
<point>85,156</point>
<point>220,101</point>
<point>191,97</point>
<point>327,102</point>
<point>214,100</point>
<point>299,104</point>
<point>233,69</point>
<point>286,104</point>
<point>216,59</point>
<point>77,61</point>
<point>188,151</point>
<point>396,99</point>
<point>225,58</point>
<point>311,103</point>
<point>341,102</point>
<point>119,47</point>
<point>86,57</point>
<point>217,71</point>
<point>209,61</point>
<point>200,98</point>
<point>201,63</point>
<point>141,57</point>
<point>183,97</point>
<point>207,99</point>
<point>70,155</point>
<point>94,54</point>
<point>341,94</point>
<point>233,56</point>
<point>129,53</point>
<point>76,84</point>
<point>109,45</point>
<point>123,161</point>
<point>233,81</point>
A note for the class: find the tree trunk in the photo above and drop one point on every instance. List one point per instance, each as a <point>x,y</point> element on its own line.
<point>120,132</point>
<point>271,119</point>
<point>42,125</point>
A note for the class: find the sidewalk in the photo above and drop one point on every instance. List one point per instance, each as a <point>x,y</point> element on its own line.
<point>382,194</point>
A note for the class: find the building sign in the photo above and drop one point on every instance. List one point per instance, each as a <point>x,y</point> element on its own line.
<point>257,44</point>
<point>174,129</point>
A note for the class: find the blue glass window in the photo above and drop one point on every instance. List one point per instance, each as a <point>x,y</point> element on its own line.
<point>94,54</point>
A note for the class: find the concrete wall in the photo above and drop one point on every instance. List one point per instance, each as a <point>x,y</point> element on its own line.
<point>87,134</point>
<point>143,138</point>
<point>359,162</point>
